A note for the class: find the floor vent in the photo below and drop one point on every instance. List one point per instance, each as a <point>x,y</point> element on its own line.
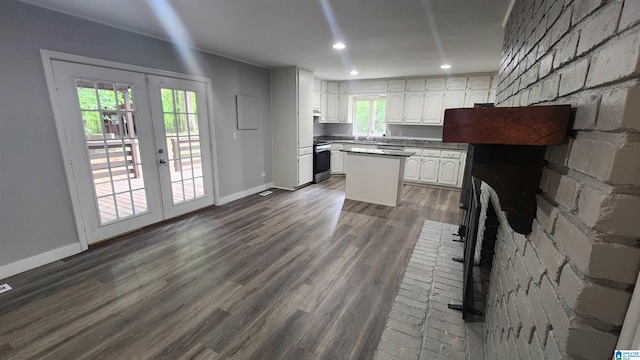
<point>265,193</point>
<point>4,288</point>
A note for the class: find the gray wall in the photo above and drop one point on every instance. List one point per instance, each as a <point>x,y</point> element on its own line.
<point>35,210</point>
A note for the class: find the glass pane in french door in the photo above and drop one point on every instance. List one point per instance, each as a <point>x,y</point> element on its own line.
<point>109,118</point>
<point>182,136</point>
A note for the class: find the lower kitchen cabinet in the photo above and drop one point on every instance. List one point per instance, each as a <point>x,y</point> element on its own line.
<point>337,157</point>
<point>412,165</point>
<point>305,169</point>
<point>449,172</point>
<point>429,170</point>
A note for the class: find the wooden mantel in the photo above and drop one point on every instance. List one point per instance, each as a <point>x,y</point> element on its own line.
<point>507,151</point>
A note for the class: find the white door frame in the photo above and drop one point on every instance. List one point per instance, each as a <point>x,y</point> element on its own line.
<point>48,55</point>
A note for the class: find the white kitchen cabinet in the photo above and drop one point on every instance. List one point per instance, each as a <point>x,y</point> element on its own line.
<point>333,87</point>
<point>475,96</point>
<point>449,170</point>
<point>412,165</point>
<point>429,170</point>
<point>453,99</point>
<point>317,100</point>
<point>479,82</point>
<point>323,86</point>
<point>337,157</point>
<point>343,112</point>
<point>456,83</point>
<point>367,87</point>
<point>323,107</point>
<point>432,110</point>
<point>435,84</point>
<point>413,107</point>
<point>395,105</point>
<point>342,87</point>
<point>415,84</point>
<point>333,107</point>
<point>494,81</point>
<point>317,85</point>
<point>292,127</point>
<point>396,85</point>
<point>305,169</point>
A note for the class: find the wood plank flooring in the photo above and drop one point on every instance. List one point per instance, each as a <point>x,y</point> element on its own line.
<point>294,275</point>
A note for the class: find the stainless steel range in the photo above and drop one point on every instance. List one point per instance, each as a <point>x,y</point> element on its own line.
<point>321,161</point>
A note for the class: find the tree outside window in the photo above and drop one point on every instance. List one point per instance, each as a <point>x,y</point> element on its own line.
<point>369,119</point>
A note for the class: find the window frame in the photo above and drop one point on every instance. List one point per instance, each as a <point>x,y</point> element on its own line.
<point>372,99</point>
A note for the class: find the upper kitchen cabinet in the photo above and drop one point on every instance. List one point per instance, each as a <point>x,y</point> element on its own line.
<point>415,84</point>
<point>343,87</point>
<point>333,87</point>
<point>413,107</point>
<point>292,126</point>
<point>435,84</point>
<point>479,82</point>
<point>453,99</point>
<point>368,87</point>
<point>396,85</point>
<point>432,111</point>
<point>333,107</point>
<point>456,83</point>
<point>476,97</point>
<point>395,106</point>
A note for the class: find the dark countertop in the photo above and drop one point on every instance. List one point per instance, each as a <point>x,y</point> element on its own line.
<point>380,152</point>
<point>408,142</point>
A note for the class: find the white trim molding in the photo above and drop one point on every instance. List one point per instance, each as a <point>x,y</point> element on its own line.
<point>39,260</point>
<point>245,193</point>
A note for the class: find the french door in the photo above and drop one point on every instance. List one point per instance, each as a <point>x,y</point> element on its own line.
<point>138,146</point>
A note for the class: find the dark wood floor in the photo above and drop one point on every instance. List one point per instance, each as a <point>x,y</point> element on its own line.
<point>294,275</point>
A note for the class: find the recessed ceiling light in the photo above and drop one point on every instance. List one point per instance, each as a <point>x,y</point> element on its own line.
<point>354,72</point>
<point>445,66</point>
<point>339,46</point>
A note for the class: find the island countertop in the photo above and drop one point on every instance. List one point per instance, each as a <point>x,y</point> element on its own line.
<point>383,152</point>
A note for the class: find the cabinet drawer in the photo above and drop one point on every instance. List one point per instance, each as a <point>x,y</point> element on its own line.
<point>418,152</point>
<point>335,147</point>
<point>305,151</point>
<point>431,153</point>
<point>451,154</point>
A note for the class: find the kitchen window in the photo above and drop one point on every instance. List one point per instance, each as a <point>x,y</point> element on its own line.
<point>369,116</point>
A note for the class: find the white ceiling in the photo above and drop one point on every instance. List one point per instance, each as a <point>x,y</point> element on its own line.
<point>384,38</point>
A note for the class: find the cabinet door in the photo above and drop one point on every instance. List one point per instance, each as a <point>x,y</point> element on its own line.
<point>333,87</point>
<point>415,85</point>
<point>343,113</point>
<point>479,82</point>
<point>475,96</point>
<point>456,83</point>
<point>412,168</point>
<point>305,169</point>
<point>492,96</point>
<point>453,99</point>
<point>432,111</point>
<point>396,85</point>
<point>435,84</point>
<point>323,107</point>
<point>449,169</point>
<point>413,107</point>
<point>317,100</point>
<point>429,170</point>
<point>333,107</point>
<point>305,108</point>
<point>342,87</point>
<point>395,104</point>
<point>336,161</point>
<point>317,85</point>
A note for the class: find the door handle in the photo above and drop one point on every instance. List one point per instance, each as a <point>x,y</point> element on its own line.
<point>162,161</point>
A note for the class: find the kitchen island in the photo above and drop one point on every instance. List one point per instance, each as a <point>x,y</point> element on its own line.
<point>375,175</point>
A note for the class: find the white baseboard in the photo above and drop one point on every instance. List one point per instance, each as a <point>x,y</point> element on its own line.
<point>245,193</point>
<point>39,260</point>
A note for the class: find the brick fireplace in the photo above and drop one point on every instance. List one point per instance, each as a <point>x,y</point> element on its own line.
<point>563,290</point>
